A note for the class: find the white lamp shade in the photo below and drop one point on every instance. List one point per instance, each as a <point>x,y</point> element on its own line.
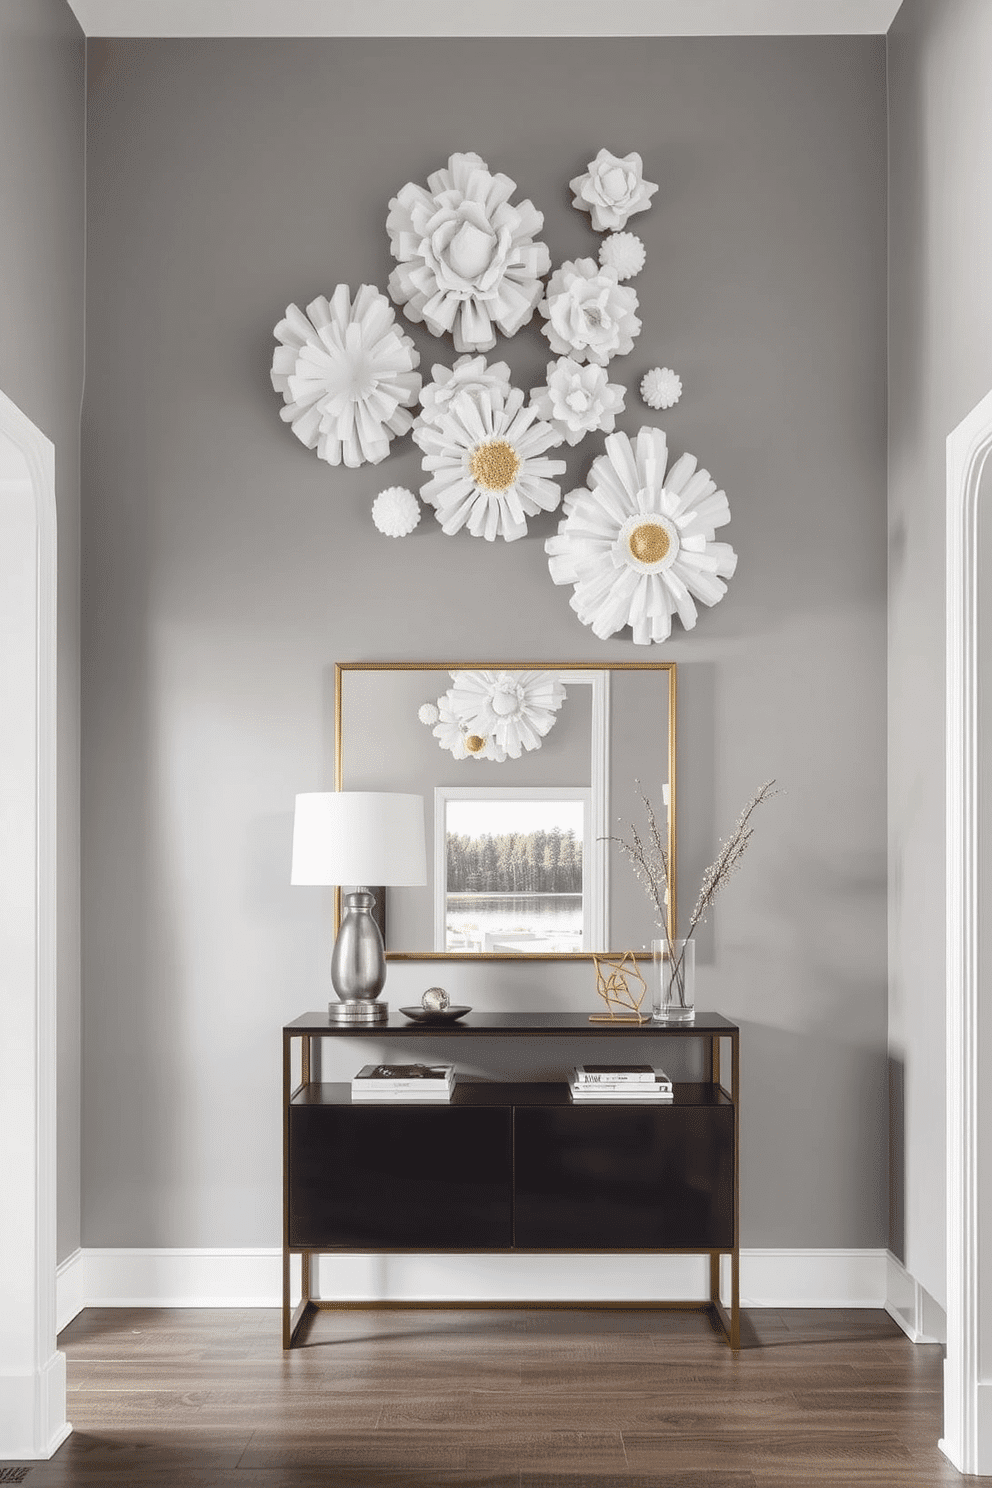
<point>358,837</point>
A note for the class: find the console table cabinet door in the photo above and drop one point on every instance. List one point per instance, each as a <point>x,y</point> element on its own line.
<point>614,1177</point>
<point>399,1176</point>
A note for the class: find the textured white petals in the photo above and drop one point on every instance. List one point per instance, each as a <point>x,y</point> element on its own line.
<point>589,315</point>
<point>612,190</point>
<point>661,387</point>
<point>504,712</point>
<point>578,400</point>
<point>396,511</point>
<point>347,375</point>
<point>623,252</point>
<point>637,548</point>
<point>467,262</point>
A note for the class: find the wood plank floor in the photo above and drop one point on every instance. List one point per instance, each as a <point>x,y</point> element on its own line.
<point>495,1399</point>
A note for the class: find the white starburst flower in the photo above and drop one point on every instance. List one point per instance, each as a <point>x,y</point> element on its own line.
<point>429,714</point>
<point>490,472</point>
<point>589,315</point>
<point>661,387</point>
<point>470,374</point>
<point>638,546</point>
<point>612,189</point>
<point>623,252</point>
<point>347,375</point>
<point>467,259</point>
<point>452,734</point>
<point>577,400</point>
<point>514,709</point>
<point>396,511</point>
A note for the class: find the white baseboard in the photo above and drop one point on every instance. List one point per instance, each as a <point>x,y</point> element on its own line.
<point>910,1305</point>
<point>253,1278</point>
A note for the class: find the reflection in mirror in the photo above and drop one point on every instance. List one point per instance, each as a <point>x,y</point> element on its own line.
<point>525,771</point>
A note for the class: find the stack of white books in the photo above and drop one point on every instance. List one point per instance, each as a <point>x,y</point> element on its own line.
<point>404,1082</point>
<point>612,1082</point>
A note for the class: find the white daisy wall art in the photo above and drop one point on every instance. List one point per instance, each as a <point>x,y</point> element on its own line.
<point>469,261</point>
<point>589,315</point>
<point>347,375</point>
<point>638,546</point>
<point>612,189</point>
<point>486,455</point>
<point>515,709</point>
<point>453,734</point>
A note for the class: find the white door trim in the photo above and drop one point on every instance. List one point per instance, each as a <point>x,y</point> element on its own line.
<point>967,1439</point>
<point>32,1374</point>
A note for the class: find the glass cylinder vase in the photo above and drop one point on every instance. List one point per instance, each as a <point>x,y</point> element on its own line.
<point>674,985</point>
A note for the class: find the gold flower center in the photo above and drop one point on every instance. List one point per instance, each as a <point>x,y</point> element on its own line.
<point>474,744</point>
<point>494,465</point>
<point>649,543</point>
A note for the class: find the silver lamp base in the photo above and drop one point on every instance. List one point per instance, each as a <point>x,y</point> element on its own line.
<point>358,1012</point>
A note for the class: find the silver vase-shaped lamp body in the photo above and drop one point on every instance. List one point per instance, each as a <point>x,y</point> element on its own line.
<point>358,964</point>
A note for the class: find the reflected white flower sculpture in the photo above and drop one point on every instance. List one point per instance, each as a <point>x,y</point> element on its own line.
<point>470,374</point>
<point>623,252</point>
<point>588,314</point>
<point>347,375</point>
<point>612,190</point>
<point>577,400</point>
<point>639,547</point>
<point>453,734</point>
<point>467,259</point>
<point>513,709</point>
<point>490,473</point>
<point>396,511</point>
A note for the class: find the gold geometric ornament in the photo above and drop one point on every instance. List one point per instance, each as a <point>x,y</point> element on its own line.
<point>622,987</point>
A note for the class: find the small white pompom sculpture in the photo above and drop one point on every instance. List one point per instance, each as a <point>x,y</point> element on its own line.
<point>623,252</point>
<point>661,387</point>
<point>396,511</point>
<point>429,714</point>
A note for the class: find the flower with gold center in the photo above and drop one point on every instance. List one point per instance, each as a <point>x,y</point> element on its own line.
<point>514,709</point>
<point>454,734</point>
<point>638,545</point>
<point>347,374</point>
<point>486,452</point>
<point>467,259</point>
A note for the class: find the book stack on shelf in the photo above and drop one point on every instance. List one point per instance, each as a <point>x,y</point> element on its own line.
<point>404,1082</point>
<point>612,1082</point>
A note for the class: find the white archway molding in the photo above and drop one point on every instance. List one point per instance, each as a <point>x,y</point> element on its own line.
<point>32,1371</point>
<point>967,1439</point>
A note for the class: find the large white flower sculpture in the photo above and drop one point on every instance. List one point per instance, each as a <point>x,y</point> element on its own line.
<point>638,547</point>
<point>589,315</point>
<point>347,375</point>
<point>612,190</point>
<point>577,400</point>
<point>514,709</point>
<point>453,734</point>
<point>490,472</point>
<point>467,259</point>
<point>470,374</point>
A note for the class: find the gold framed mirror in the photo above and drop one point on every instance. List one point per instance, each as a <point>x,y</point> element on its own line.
<point>527,770</point>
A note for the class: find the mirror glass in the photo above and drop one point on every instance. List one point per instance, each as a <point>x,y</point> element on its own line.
<point>526,771</point>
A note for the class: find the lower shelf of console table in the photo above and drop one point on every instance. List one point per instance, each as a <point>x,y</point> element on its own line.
<point>508,1167</point>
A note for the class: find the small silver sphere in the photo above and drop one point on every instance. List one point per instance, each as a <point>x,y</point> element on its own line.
<point>434,1000</point>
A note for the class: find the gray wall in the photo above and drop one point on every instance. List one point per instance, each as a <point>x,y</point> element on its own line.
<point>226,569</point>
<point>42,133</point>
<point>940,366</point>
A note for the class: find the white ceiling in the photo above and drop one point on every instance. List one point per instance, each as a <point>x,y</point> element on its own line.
<point>465,18</point>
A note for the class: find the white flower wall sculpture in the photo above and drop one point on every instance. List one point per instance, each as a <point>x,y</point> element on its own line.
<point>589,315</point>
<point>624,253</point>
<point>612,190</point>
<point>514,709</point>
<point>578,400</point>
<point>661,387</point>
<point>453,734</point>
<point>467,259</point>
<point>396,511</point>
<point>347,374</point>
<point>638,547</point>
<point>470,374</point>
<point>490,472</point>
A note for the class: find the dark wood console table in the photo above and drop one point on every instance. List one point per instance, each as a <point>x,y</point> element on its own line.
<point>512,1167</point>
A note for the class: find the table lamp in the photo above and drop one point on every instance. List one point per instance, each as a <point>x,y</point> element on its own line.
<point>362,838</point>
